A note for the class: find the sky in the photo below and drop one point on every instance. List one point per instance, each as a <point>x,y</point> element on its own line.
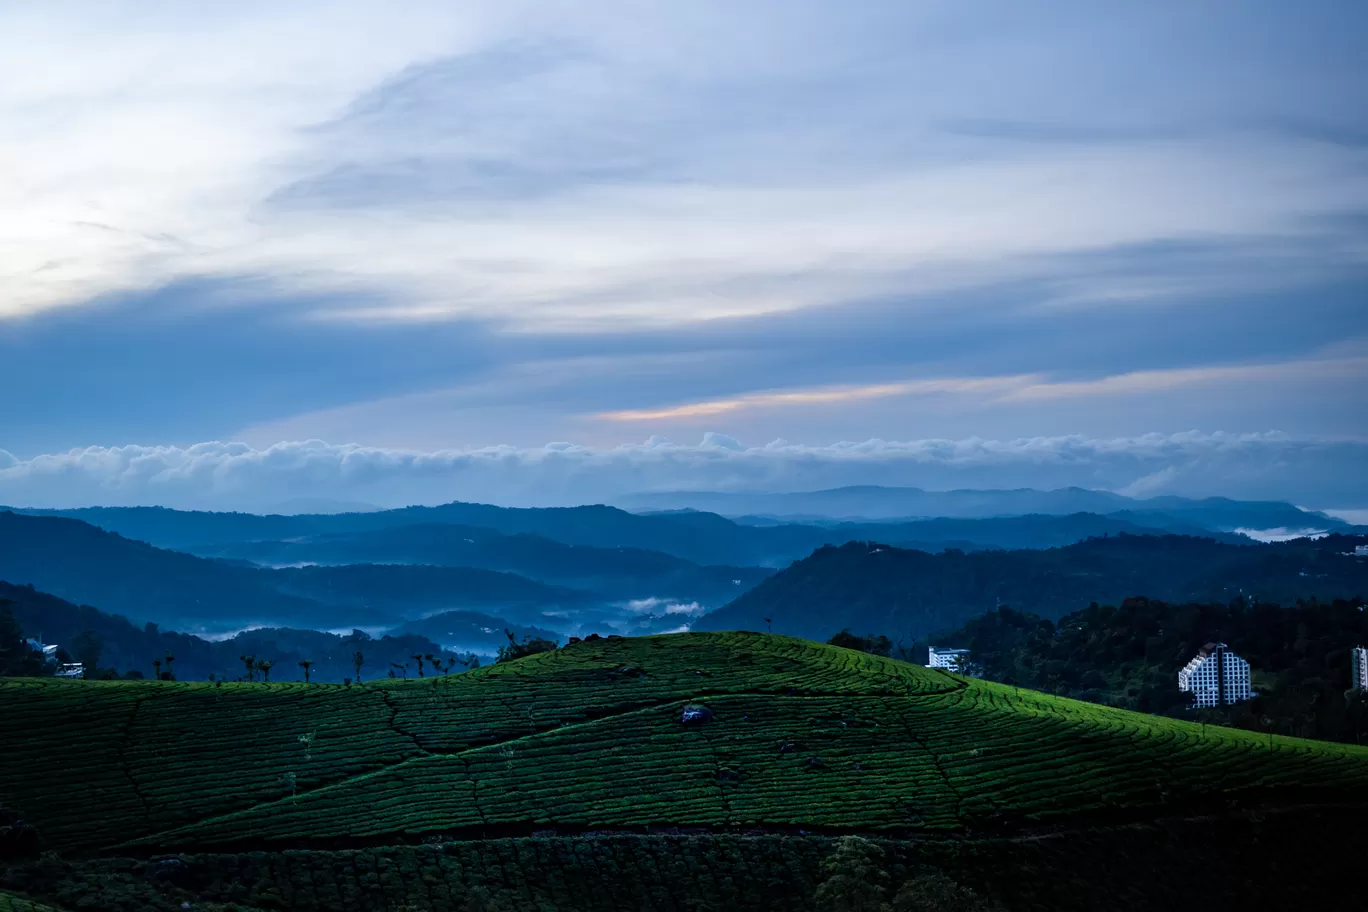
<point>560,252</point>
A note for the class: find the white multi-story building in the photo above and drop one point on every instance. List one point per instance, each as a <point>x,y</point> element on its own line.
<point>1358,667</point>
<point>953,659</point>
<point>1215,677</point>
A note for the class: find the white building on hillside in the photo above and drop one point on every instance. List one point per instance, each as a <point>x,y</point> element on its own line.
<point>48,651</point>
<point>1358,667</point>
<point>1215,677</point>
<point>954,659</point>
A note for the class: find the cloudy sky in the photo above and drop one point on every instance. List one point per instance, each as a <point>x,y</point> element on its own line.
<point>537,251</point>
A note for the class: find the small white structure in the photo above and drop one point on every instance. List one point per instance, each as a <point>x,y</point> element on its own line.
<point>48,651</point>
<point>70,670</point>
<point>1358,668</point>
<point>1361,551</point>
<point>1215,677</point>
<point>953,659</point>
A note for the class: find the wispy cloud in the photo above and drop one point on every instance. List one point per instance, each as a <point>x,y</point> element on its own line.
<point>516,160</point>
<point>815,397</point>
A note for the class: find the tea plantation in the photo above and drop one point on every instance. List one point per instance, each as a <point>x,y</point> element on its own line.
<point>570,780</point>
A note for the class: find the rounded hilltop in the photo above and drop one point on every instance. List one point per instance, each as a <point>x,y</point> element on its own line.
<point>592,737</point>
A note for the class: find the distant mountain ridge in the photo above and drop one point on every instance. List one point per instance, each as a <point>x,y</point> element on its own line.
<point>897,503</point>
<point>417,534</point>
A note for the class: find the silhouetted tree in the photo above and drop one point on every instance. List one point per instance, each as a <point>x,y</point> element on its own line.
<point>358,659</point>
<point>306,664</point>
<point>250,663</point>
<point>264,666</point>
<point>418,657</point>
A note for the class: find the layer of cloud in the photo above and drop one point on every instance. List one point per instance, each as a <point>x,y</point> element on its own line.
<point>237,476</point>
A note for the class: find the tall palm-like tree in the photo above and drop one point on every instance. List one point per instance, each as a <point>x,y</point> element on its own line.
<point>306,664</point>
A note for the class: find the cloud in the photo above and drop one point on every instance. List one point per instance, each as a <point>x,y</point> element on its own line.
<point>559,168</point>
<point>814,397</point>
<point>517,222</point>
<point>236,476</point>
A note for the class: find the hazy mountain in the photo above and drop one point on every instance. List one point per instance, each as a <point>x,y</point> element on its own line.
<point>79,562</point>
<point>614,573</point>
<point>888,503</point>
<point>82,563</point>
<point>450,534</point>
<point>873,588</point>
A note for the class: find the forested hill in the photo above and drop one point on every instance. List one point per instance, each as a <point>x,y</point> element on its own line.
<point>874,588</point>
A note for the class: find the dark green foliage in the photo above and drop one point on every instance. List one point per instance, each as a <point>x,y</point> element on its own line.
<point>1290,859</point>
<point>934,892</point>
<point>1129,656</point>
<point>15,656</point>
<point>527,646</point>
<point>874,645</point>
<point>854,879</point>
<point>910,594</point>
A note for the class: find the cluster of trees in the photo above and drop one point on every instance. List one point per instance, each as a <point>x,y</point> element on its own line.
<point>1129,655</point>
<point>528,645</point>
<point>856,879</point>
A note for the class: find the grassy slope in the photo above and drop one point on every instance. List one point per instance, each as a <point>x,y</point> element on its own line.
<point>12,902</point>
<point>589,737</point>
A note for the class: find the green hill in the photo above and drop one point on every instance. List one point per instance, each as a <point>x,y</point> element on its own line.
<point>584,751</point>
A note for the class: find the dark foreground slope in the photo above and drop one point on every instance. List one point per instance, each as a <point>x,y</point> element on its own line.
<point>875,588</point>
<point>567,780</point>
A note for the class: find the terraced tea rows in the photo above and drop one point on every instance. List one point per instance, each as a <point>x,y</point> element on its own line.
<point>590,737</point>
<point>10,902</point>
<point>161,754</point>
